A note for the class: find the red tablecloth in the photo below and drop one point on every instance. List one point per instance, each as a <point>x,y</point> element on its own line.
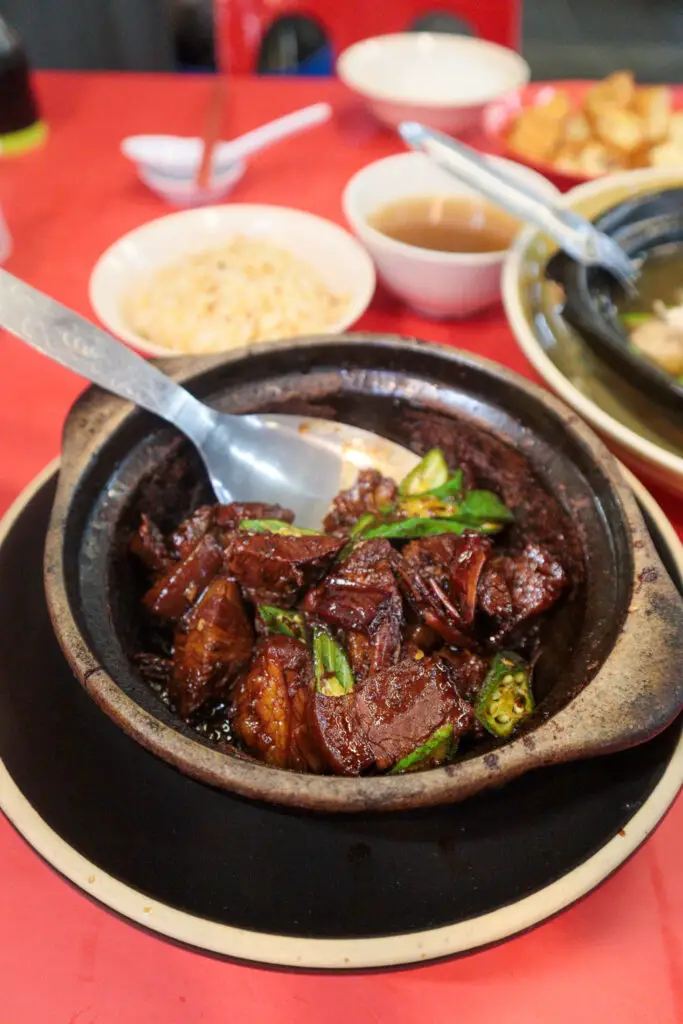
<point>616,956</point>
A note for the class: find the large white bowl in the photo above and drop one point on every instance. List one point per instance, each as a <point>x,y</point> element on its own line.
<point>339,261</point>
<point>656,461</point>
<point>441,285</point>
<point>440,79</point>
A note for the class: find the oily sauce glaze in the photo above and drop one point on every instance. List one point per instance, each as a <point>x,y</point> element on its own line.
<point>403,634</point>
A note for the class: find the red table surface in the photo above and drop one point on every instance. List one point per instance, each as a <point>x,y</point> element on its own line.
<point>618,955</point>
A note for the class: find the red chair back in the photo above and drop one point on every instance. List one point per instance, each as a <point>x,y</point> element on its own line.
<point>242,24</point>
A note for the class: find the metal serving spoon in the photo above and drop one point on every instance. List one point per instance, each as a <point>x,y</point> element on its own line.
<point>573,233</point>
<point>297,461</point>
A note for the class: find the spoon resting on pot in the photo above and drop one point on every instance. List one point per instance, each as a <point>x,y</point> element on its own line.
<point>295,461</point>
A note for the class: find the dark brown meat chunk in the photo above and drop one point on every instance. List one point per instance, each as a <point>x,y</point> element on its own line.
<point>431,603</point>
<point>469,672</point>
<point>149,546</point>
<point>464,573</point>
<point>271,704</point>
<point>455,564</point>
<point>359,652</point>
<point>421,637</point>
<point>336,732</point>
<point>275,568</point>
<point>185,537</point>
<point>229,516</point>
<point>362,596</point>
<point>439,577</point>
<point>174,594</point>
<point>224,519</point>
<point>493,592</point>
<point>370,493</point>
<point>515,588</point>
<point>350,595</point>
<point>212,646</point>
<point>400,708</point>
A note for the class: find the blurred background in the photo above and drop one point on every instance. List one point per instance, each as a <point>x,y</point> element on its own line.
<point>561,38</point>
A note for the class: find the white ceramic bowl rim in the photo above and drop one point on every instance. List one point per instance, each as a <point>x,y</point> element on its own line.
<point>534,351</point>
<point>360,222</point>
<point>519,70</point>
<point>101,286</point>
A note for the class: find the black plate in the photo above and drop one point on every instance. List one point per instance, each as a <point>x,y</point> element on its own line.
<point>248,865</point>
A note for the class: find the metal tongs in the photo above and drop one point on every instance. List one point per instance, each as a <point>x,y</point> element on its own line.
<point>573,233</point>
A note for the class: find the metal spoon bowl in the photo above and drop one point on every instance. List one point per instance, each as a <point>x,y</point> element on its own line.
<point>298,462</point>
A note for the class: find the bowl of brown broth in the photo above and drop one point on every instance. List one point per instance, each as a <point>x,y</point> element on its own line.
<point>444,223</point>
<point>436,243</point>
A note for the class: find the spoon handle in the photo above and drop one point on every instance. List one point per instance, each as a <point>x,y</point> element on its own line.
<point>79,345</point>
<point>274,131</point>
<point>476,171</point>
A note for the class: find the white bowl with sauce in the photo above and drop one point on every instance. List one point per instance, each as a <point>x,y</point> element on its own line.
<point>440,79</point>
<point>436,243</point>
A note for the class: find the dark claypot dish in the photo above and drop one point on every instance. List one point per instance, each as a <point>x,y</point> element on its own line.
<point>603,678</point>
<point>649,228</point>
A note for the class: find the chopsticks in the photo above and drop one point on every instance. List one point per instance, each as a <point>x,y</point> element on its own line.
<point>212,130</point>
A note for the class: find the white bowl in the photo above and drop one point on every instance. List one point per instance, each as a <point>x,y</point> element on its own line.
<point>441,285</point>
<point>656,461</point>
<point>442,80</point>
<point>168,165</point>
<point>340,262</point>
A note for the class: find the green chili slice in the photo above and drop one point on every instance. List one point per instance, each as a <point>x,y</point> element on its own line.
<point>505,697</point>
<point>430,472</point>
<point>356,534</point>
<point>275,526</point>
<point>333,675</point>
<point>282,620</point>
<point>422,526</point>
<point>478,507</point>
<point>440,746</point>
<point>361,525</point>
<point>451,488</point>
<point>416,526</point>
